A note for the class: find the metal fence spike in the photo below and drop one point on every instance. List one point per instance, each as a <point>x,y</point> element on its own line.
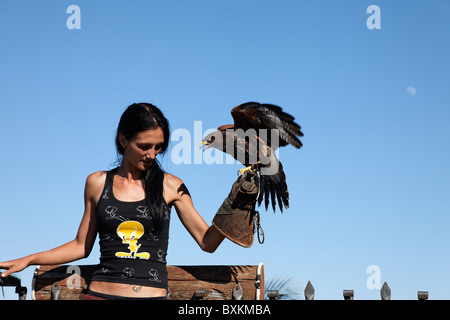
<point>422,295</point>
<point>199,294</point>
<point>348,294</point>
<point>385,292</point>
<point>309,291</point>
<point>273,294</point>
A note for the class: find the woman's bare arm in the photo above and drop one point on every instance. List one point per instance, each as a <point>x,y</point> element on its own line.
<point>207,237</point>
<point>73,250</point>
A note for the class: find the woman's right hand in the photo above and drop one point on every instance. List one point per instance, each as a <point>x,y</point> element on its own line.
<point>13,266</point>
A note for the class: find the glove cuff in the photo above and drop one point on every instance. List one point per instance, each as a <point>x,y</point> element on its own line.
<point>235,217</point>
<point>236,224</point>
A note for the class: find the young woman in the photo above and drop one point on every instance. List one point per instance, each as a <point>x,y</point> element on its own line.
<point>129,207</point>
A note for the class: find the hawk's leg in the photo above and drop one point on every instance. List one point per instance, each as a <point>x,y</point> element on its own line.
<point>249,168</point>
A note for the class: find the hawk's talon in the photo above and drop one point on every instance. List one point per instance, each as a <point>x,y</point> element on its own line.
<point>249,168</point>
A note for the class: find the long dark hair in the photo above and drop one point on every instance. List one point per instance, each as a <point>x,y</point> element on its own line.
<point>136,118</point>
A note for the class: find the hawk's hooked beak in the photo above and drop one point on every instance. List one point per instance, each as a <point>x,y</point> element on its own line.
<point>205,143</point>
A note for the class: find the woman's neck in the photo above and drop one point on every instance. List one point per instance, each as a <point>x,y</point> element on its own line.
<point>130,174</point>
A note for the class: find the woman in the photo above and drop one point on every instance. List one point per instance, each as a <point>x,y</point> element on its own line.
<point>130,209</point>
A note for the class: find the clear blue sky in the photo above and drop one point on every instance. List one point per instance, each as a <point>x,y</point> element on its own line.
<point>370,187</point>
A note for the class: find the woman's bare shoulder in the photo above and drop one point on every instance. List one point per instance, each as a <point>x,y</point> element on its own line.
<point>174,187</point>
<point>94,184</point>
<point>96,178</point>
<point>172,181</point>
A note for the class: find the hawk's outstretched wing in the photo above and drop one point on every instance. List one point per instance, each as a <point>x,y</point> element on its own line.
<point>268,116</point>
<point>262,124</point>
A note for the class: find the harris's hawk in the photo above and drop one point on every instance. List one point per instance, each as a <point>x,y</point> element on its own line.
<point>258,131</point>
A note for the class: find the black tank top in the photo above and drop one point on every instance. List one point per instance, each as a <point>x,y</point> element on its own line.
<point>131,251</point>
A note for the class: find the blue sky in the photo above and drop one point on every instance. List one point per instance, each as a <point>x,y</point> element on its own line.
<point>369,187</point>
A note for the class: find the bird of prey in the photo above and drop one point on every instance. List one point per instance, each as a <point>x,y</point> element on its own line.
<point>258,131</point>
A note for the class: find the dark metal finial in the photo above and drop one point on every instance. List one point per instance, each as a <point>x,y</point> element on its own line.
<point>385,292</point>
<point>309,291</point>
<point>348,294</point>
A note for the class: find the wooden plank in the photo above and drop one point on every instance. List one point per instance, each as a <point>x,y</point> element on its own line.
<point>212,273</point>
<point>217,281</point>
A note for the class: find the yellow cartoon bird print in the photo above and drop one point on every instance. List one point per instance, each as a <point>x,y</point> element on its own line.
<point>130,232</point>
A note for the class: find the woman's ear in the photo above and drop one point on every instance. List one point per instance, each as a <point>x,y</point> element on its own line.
<point>122,140</point>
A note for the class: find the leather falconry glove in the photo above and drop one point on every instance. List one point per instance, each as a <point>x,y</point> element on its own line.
<point>235,217</point>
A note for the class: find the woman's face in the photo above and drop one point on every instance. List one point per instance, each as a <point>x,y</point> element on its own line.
<point>141,150</point>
